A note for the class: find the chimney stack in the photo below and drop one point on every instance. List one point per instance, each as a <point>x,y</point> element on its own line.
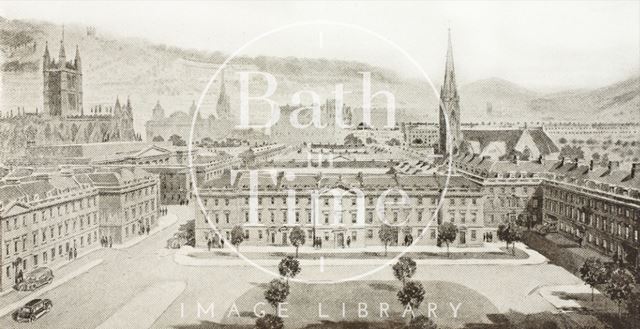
<point>591,164</point>
<point>613,165</point>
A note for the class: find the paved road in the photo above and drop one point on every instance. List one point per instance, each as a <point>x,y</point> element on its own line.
<point>92,298</point>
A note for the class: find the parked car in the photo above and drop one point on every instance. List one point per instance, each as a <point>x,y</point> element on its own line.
<point>35,279</point>
<point>177,241</point>
<point>33,310</point>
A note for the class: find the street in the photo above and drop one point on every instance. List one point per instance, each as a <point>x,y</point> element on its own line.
<point>92,298</point>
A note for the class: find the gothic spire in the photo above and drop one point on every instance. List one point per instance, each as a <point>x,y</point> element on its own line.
<point>449,112</point>
<point>46,50</point>
<point>77,60</point>
<point>223,107</point>
<point>449,89</point>
<point>62,54</point>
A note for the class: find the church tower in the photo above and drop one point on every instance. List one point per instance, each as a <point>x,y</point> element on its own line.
<point>62,84</point>
<point>223,107</point>
<point>449,107</point>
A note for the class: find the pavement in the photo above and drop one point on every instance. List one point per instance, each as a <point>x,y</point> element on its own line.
<point>163,222</point>
<point>143,310</point>
<point>110,292</point>
<point>182,256</point>
<point>56,282</point>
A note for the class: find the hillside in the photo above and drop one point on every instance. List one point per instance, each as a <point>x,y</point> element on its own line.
<point>507,100</point>
<point>148,72</point>
<point>619,102</point>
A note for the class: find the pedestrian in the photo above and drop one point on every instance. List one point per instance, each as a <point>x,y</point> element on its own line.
<point>110,242</point>
<point>148,229</point>
<point>70,254</point>
<point>209,244</point>
<point>75,253</point>
<point>348,241</point>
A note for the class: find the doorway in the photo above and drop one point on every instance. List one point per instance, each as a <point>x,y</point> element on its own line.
<point>340,239</point>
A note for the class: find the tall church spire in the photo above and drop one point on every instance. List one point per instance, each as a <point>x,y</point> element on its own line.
<point>449,88</point>
<point>223,107</point>
<point>450,138</point>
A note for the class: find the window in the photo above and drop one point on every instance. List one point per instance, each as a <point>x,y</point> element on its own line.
<point>473,234</point>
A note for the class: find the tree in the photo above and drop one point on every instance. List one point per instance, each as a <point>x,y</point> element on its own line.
<point>447,233</point>
<point>176,140</point>
<point>593,272</point>
<point>289,267</point>
<point>509,234</point>
<point>393,142</point>
<point>404,269</point>
<point>562,140</point>
<point>633,306</point>
<point>158,139</point>
<point>237,236</point>
<point>277,292</point>
<point>351,139</point>
<point>411,294</point>
<point>619,286</point>
<point>297,238</point>
<point>421,322</point>
<point>387,234</point>
<point>269,321</point>
<point>572,152</point>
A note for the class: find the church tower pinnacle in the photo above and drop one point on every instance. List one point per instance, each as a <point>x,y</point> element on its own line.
<point>449,112</point>
<point>62,83</point>
<point>223,107</point>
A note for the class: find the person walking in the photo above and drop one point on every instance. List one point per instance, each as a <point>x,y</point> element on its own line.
<point>75,253</point>
<point>348,242</point>
<point>110,242</point>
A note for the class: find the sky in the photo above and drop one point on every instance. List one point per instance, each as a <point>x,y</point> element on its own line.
<point>542,45</point>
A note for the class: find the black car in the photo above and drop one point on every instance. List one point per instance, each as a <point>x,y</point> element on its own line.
<point>33,310</point>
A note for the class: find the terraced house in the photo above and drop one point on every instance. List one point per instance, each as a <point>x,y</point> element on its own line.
<point>45,219</point>
<point>343,210</point>
<point>597,205</point>
<point>128,202</point>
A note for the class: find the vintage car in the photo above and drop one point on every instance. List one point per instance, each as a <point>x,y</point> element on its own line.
<point>32,310</point>
<point>178,240</point>
<point>35,279</point>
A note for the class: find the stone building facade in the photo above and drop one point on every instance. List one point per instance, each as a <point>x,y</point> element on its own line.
<point>596,205</point>
<point>128,202</point>
<point>342,210</point>
<point>44,219</point>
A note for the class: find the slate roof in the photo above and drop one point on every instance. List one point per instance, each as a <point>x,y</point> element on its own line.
<point>510,138</point>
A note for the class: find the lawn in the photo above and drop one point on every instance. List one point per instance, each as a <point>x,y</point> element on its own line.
<point>505,254</point>
<point>321,305</point>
